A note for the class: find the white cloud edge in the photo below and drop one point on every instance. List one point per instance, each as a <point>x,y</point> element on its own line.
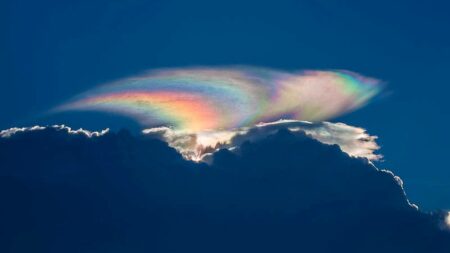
<point>7,133</point>
<point>400,183</point>
<point>447,220</point>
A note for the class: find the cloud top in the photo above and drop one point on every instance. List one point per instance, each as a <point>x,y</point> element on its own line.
<point>198,99</point>
<point>196,146</point>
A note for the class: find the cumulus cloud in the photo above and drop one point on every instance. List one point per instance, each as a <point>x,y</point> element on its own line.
<point>282,191</point>
<point>354,141</point>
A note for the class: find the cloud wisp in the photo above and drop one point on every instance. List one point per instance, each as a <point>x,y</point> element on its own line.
<point>223,98</point>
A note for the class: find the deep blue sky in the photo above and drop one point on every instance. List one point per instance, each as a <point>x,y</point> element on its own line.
<point>52,50</point>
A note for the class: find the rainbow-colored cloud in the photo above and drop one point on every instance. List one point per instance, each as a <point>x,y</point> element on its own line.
<point>202,99</point>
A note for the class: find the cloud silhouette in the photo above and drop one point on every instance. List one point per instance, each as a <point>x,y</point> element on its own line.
<point>68,191</point>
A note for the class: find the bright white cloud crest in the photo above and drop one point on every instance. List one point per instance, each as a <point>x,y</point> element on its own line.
<point>195,146</point>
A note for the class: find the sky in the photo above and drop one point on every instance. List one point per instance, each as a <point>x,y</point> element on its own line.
<point>53,50</point>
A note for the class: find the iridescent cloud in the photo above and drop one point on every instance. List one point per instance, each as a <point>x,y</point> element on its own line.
<point>204,99</point>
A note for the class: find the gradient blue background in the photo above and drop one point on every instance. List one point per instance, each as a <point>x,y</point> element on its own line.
<point>52,50</point>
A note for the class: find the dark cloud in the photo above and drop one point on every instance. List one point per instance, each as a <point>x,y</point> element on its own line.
<point>79,191</point>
